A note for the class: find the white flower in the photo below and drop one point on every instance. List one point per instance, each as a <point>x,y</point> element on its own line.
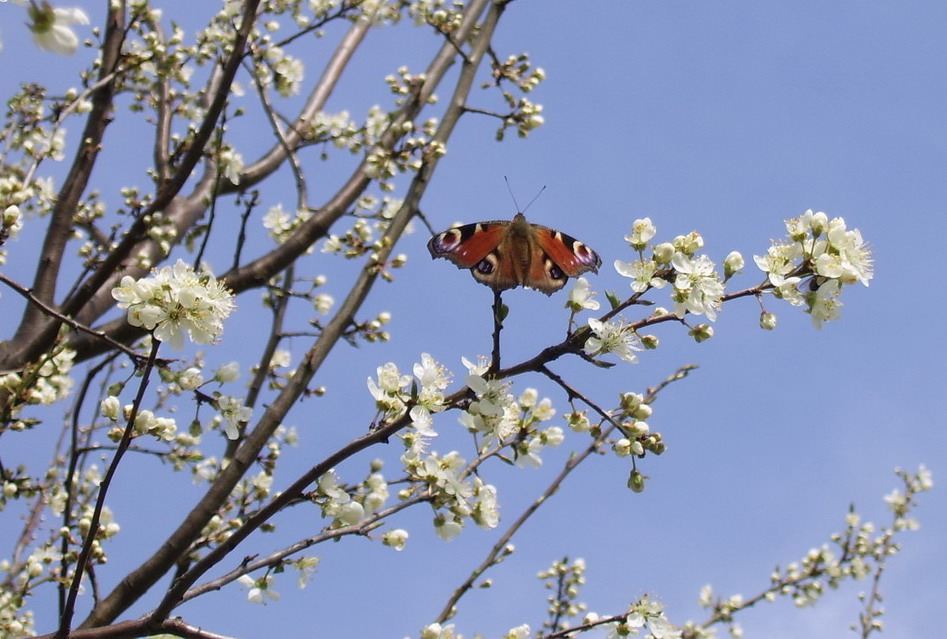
<point>306,567</point>
<point>642,231</point>
<point>799,227</point>
<point>553,436</point>
<point>191,379</point>
<point>236,414</point>
<point>486,511</point>
<point>433,376</point>
<point>580,297</point>
<point>529,453</point>
<point>377,495</point>
<point>789,291</point>
<point>528,398</point>
<point>697,288</point>
<point>436,631</point>
<point>447,530</point>
<point>854,255</point>
<point>578,421</point>
<point>163,428</point>
<point>395,538</point>
<point>390,380</point>
<point>779,261</point>
<point>332,245</point>
<point>389,390</point>
<point>351,513</point>
<point>323,303</point>
<point>229,372</point>
<point>278,222</point>
<point>176,300</point>
<point>281,359</point>
<point>231,163</point>
<point>479,368</point>
<point>688,244</point>
<point>260,589</point>
<point>706,597</point>
<point>642,274</point>
<point>422,422</point>
<point>824,304</point>
<point>11,221</point>
<point>519,632</point>
<point>51,30</point>
<point>612,337</point>
<point>110,408</point>
<point>492,396</point>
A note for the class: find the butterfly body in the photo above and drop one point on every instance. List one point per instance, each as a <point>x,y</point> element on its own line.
<point>507,254</point>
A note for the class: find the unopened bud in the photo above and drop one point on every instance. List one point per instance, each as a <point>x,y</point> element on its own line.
<point>636,481</point>
<point>767,321</point>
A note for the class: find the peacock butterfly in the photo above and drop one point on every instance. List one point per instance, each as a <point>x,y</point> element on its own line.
<point>504,255</point>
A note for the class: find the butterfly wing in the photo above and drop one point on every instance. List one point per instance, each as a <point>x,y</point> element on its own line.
<point>466,245</point>
<point>556,258</point>
<point>505,255</point>
<point>494,258</point>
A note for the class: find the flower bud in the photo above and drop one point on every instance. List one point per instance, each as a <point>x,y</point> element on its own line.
<point>395,538</point>
<point>663,253</point>
<point>636,481</point>
<point>650,342</point>
<point>702,332</point>
<point>622,447</point>
<point>732,264</point>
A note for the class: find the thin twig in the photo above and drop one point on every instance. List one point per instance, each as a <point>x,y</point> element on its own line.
<point>48,310</point>
<point>65,619</point>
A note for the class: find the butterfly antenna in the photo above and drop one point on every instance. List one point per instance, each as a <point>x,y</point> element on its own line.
<point>536,197</point>
<point>513,197</point>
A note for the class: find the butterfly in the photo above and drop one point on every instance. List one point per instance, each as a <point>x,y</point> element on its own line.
<point>504,255</point>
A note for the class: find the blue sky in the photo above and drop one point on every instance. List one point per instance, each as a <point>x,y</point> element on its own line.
<point>725,118</point>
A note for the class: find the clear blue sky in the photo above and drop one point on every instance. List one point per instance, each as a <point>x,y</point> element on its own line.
<point>725,118</point>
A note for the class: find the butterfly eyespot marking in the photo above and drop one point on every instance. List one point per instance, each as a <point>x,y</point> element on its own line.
<point>586,255</point>
<point>487,265</point>
<point>554,271</point>
<point>447,241</point>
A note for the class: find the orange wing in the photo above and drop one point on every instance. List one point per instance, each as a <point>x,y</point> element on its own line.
<point>505,255</point>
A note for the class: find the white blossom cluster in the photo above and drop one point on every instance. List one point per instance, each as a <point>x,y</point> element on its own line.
<point>35,134</point>
<point>455,494</point>
<point>345,507</point>
<point>860,552</point>
<point>392,393</point>
<point>644,616</point>
<point>498,419</point>
<point>820,256</point>
<point>444,17</point>
<point>342,131</point>
<point>373,217</point>
<point>696,289</point>
<point>810,268</point>
<point>564,579</point>
<point>44,383</point>
<point>176,300</point>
